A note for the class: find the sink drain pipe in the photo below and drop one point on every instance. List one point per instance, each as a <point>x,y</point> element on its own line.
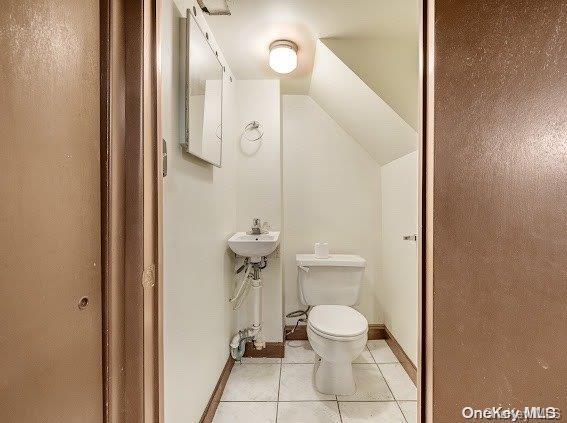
<point>238,343</point>
<point>254,333</point>
<point>259,342</point>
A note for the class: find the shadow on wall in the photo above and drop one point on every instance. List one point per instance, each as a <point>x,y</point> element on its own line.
<point>251,138</point>
<point>358,110</point>
<point>198,168</point>
<point>331,193</point>
<point>389,66</point>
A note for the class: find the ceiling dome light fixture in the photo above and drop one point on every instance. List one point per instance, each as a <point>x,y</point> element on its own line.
<point>283,56</point>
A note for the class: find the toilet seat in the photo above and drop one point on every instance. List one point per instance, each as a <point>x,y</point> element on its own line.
<point>337,322</point>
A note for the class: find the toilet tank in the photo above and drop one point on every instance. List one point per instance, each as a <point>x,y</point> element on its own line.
<point>334,280</point>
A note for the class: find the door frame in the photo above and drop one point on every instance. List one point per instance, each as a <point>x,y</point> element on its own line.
<point>425,213</point>
<point>131,335</point>
<point>425,244</point>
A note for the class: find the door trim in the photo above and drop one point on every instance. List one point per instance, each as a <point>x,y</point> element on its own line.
<point>425,245</point>
<point>129,208</point>
<point>425,215</point>
<point>112,112</point>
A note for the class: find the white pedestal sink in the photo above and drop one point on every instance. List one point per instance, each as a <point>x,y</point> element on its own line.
<point>254,246</point>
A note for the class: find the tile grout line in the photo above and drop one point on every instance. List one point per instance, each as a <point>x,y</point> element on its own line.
<point>279,386</point>
<point>355,364</point>
<point>383,362</point>
<point>390,389</point>
<point>339,408</point>
<point>319,400</point>
<point>402,411</point>
<point>374,363</point>
<point>395,399</point>
<point>336,399</point>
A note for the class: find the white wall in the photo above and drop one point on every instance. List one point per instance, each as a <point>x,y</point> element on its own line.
<point>258,186</point>
<point>331,192</point>
<point>199,216</point>
<point>388,65</point>
<point>358,109</point>
<point>397,294</point>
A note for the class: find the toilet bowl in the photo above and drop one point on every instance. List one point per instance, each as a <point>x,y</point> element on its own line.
<point>337,334</point>
<point>336,331</point>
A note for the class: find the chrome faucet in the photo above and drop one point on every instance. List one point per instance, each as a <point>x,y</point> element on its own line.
<point>256,226</point>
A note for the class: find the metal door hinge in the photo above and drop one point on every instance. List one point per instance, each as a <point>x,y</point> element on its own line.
<point>410,237</point>
<point>164,157</point>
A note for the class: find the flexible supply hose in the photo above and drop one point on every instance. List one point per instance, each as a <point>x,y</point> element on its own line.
<point>298,313</point>
<point>242,297</point>
<point>242,285</point>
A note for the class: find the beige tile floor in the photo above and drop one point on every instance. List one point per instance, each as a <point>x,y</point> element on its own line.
<point>280,390</point>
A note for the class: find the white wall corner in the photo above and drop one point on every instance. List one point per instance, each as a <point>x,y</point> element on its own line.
<point>358,109</point>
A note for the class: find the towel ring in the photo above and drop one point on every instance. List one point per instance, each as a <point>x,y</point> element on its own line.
<point>254,125</point>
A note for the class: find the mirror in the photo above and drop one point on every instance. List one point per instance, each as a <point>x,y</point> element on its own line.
<point>203,79</point>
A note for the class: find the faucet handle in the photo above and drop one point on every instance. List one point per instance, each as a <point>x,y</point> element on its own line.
<point>256,222</point>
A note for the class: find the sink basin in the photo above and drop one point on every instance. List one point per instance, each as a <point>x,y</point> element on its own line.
<point>254,246</point>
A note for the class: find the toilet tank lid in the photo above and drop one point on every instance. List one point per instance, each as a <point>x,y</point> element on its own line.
<point>337,260</point>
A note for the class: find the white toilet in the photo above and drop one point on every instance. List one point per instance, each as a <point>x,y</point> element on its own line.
<point>336,331</point>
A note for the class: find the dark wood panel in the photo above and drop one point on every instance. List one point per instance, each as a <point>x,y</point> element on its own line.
<point>499,205</point>
<point>112,203</point>
<point>401,355</point>
<point>300,333</point>
<point>273,349</point>
<point>134,244</point>
<point>375,331</point>
<point>214,401</point>
<point>50,217</point>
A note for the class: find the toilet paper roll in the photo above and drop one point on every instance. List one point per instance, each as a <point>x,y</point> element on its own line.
<point>321,250</point>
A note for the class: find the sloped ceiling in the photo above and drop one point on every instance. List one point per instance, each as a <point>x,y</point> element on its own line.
<point>245,35</point>
<point>389,66</point>
<point>358,109</point>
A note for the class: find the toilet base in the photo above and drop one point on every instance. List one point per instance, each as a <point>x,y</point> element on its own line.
<point>333,378</point>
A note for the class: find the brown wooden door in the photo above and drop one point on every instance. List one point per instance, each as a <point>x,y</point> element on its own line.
<point>499,223</point>
<point>50,349</point>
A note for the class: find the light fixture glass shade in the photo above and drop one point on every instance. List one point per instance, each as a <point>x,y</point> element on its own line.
<point>283,56</point>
